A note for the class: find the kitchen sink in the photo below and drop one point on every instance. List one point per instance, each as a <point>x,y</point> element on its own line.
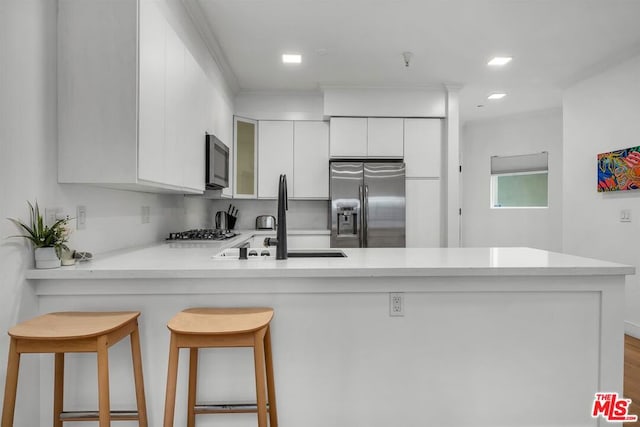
<point>270,253</point>
<point>312,253</point>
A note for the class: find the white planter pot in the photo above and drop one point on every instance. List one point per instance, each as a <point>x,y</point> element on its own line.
<point>46,258</point>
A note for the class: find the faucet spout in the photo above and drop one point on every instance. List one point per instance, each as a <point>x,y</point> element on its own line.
<point>283,206</point>
<point>281,234</point>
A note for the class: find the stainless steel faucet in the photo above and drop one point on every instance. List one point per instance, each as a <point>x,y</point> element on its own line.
<point>280,242</point>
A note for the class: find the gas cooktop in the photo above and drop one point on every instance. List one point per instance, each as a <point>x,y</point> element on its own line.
<point>203,234</point>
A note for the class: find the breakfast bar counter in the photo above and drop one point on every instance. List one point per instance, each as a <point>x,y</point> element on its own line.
<point>486,336</point>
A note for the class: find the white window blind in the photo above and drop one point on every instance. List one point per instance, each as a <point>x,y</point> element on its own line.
<point>521,163</point>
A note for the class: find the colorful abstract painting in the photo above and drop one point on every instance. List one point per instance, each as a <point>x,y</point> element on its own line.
<point>619,170</point>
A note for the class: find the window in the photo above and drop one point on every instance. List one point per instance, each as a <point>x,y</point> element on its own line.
<point>520,181</point>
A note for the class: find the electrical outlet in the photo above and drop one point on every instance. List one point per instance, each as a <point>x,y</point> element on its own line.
<point>81,217</point>
<point>51,215</point>
<point>396,304</point>
<point>625,215</point>
<point>145,214</point>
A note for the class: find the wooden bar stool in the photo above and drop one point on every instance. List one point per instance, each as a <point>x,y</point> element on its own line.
<point>76,332</point>
<point>222,327</point>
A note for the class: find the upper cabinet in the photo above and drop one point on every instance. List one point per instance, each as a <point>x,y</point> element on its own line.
<point>348,137</point>
<point>366,137</point>
<point>246,159</point>
<point>132,101</point>
<point>385,137</point>
<point>265,149</point>
<point>311,160</point>
<point>275,156</point>
<point>423,147</point>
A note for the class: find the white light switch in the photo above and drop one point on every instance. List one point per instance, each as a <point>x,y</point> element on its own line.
<point>625,215</point>
<point>81,217</point>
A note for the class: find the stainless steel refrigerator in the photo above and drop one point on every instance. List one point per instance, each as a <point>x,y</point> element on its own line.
<point>367,204</point>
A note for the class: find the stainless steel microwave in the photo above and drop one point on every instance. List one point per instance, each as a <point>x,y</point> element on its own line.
<point>217,170</point>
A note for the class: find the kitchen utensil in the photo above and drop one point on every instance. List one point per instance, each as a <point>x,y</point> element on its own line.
<point>265,222</point>
<point>222,220</point>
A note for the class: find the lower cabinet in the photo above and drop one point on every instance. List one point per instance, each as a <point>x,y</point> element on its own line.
<point>423,213</point>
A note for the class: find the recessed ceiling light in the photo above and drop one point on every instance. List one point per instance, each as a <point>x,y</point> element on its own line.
<point>291,58</point>
<point>497,96</point>
<point>499,61</point>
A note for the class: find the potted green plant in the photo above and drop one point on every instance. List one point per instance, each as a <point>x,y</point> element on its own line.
<point>48,242</point>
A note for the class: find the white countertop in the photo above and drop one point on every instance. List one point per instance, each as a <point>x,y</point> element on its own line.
<point>195,260</point>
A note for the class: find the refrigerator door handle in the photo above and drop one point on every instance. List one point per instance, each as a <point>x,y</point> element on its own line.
<point>365,217</point>
<point>361,231</point>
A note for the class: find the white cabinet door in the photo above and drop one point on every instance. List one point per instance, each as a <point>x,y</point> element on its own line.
<point>385,137</point>
<point>194,127</point>
<point>174,108</point>
<point>97,125</point>
<point>310,160</point>
<point>151,136</point>
<point>245,154</point>
<point>348,137</point>
<point>423,213</point>
<point>275,156</point>
<point>423,147</point>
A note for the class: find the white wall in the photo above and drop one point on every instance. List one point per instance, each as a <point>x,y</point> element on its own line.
<point>601,114</point>
<point>511,135</point>
<point>28,168</point>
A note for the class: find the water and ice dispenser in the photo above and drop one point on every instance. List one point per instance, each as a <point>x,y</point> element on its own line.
<point>347,221</point>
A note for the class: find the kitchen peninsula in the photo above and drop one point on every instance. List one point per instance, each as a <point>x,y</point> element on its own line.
<point>489,336</point>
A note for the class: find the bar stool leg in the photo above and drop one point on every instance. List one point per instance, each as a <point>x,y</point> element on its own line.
<point>136,355</point>
<point>58,390</point>
<point>11,385</point>
<point>172,379</point>
<point>193,379</point>
<point>103,382</point>
<point>258,359</point>
<point>271,387</point>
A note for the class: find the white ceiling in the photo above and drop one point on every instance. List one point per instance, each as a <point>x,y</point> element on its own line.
<point>554,43</point>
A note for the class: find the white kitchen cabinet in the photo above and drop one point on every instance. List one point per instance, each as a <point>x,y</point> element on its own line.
<point>152,83</point>
<point>127,93</point>
<point>423,147</point>
<point>245,152</point>
<point>275,156</point>
<point>361,137</point>
<point>348,137</point>
<point>423,213</point>
<point>310,160</point>
<point>385,137</point>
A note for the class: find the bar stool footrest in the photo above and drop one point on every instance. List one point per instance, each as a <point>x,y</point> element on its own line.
<point>95,416</point>
<point>226,408</point>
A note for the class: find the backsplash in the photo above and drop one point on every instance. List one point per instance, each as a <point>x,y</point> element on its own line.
<point>302,214</point>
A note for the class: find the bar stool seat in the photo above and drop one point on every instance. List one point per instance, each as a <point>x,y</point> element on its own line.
<point>207,327</point>
<point>76,332</point>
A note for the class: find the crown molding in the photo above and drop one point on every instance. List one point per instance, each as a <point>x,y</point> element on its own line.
<point>217,54</point>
